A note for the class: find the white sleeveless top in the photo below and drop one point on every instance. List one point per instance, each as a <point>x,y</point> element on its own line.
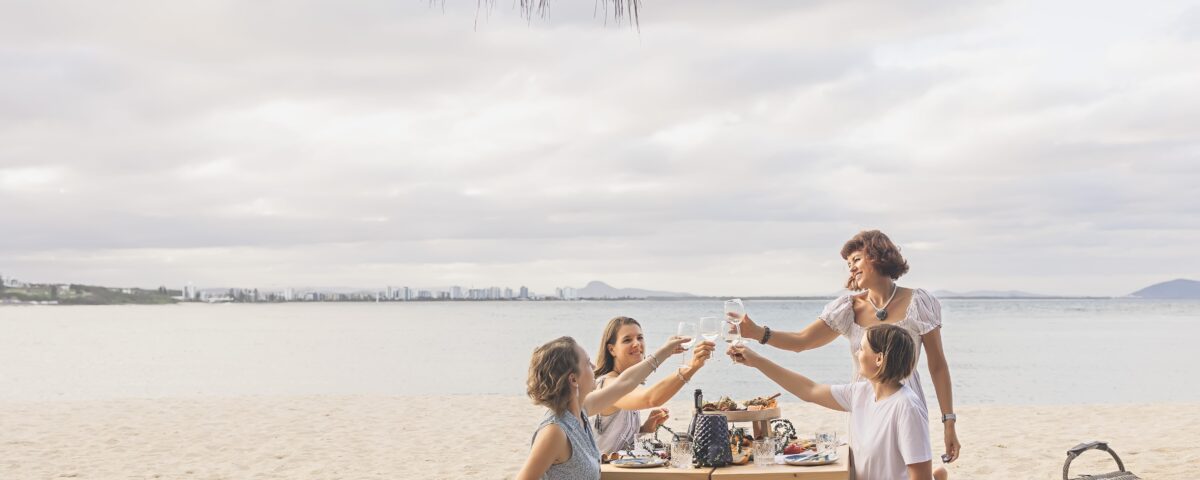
<point>617,431</point>
<point>924,314</point>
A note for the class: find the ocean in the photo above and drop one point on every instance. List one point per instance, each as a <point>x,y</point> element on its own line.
<point>1000,351</point>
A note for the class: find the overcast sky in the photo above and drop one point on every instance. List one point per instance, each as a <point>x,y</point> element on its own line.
<point>726,149</point>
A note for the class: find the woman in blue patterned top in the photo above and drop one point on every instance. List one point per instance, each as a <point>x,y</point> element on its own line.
<point>562,379</point>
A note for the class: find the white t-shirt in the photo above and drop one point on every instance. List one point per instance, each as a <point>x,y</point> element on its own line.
<point>886,436</point>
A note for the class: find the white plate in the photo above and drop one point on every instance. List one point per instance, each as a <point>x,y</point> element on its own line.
<point>810,459</point>
<point>639,462</point>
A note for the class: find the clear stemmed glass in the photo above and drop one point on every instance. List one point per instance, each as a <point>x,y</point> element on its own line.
<point>687,329</point>
<point>735,311</point>
<point>710,328</point>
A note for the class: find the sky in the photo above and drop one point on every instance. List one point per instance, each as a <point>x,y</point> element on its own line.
<point>719,149</point>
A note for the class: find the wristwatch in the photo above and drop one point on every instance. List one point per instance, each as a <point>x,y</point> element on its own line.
<point>948,416</point>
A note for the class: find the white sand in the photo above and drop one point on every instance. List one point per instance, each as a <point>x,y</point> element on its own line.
<point>486,437</point>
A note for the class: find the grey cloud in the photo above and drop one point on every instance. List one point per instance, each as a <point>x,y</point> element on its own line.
<point>367,142</point>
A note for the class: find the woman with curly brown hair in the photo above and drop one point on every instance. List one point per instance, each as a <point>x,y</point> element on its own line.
<point>875,264</point>
<point>561,379</point>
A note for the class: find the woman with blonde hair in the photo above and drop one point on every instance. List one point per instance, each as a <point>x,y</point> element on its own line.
<point>621,347</point>
<point>561,379</point>
<point>875,264</point>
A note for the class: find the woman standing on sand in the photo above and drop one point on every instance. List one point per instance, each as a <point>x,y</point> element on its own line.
<point>622,347</point>
<point>561,379</point>
<point>875,264</point>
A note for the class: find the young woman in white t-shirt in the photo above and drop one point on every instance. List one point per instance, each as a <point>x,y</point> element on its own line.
<point>889,425</point>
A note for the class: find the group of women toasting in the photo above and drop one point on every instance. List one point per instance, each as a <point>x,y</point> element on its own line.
<point>594,409</point>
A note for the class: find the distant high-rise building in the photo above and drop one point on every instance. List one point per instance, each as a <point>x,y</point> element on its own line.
<point>508,293</point>
<point>524,292</point>
<point>289,294</point>
<point>456,293</point>
<point>408,294</point>
<point>424,295</point>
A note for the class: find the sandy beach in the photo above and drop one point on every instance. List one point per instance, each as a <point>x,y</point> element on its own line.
<point>486,437</point>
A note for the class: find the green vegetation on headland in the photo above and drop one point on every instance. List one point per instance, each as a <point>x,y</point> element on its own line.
<point>84,295</point>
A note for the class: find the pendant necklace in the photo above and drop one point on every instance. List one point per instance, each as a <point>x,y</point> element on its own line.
<point>881,312</point>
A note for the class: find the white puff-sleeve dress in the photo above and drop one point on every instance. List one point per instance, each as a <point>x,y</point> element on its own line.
<point>923,315</point>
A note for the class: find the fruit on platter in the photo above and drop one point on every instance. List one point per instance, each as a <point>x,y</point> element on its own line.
<point>762,403</point>
<point>799,446</point>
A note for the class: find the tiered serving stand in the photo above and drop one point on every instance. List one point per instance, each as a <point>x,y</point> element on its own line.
<point>760,420</point>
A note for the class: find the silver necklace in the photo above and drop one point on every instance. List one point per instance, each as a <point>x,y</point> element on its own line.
<point>881,312</point>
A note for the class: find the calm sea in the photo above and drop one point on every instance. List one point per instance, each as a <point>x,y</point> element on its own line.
<point>1000,351</point>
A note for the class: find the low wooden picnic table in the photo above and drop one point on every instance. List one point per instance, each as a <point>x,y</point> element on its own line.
<point>610,472</point>
<point>834,471</point>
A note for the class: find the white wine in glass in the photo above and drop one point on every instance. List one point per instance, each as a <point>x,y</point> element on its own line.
<point>735,311</point>
<point>733,333</point>
<point>687,329</point>
<point>710,328</point>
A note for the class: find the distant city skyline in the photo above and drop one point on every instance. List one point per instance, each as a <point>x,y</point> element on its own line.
<point>720,150</point>
<point>507,292</point>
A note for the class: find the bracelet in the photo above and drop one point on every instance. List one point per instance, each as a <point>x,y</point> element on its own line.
<point>679,373</point>
<point>766,335</point>
<point>653,363</point>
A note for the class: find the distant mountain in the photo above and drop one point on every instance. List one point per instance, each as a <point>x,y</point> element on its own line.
<point>988,294</point>
<point>1178,288</point>
<point>598,289</point>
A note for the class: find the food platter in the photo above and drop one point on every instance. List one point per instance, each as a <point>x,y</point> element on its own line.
<point>810,459</point>
<point>748,415</point>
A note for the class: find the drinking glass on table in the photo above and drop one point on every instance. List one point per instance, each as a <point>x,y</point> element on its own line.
<point>764,452</point>
<point>687,329</point>
<point>827,443</point>
<point>710,328</point>
<point>681,453</point>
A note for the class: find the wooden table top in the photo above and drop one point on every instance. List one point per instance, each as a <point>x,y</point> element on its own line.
<point>833,471</point>
<point>839,470</point>
<point>610,472</point>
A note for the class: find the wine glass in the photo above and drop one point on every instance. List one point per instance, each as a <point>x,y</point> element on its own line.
<point>687,329</point>
<point>735,311</point>
<point>710,328</point>
<point>733,334</point>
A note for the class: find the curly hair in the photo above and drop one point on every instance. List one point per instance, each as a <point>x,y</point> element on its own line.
<point>550,369</point>
<point>607,363</point>
<point>884,255</point>
<point>898,349</point>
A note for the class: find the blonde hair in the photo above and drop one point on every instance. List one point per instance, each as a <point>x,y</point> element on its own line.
<point>550,369</point>
<point>898,350</point>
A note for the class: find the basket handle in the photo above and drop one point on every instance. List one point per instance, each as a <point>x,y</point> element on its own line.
<point>1083,447</point>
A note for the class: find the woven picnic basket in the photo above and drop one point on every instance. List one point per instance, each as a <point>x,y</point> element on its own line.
<point>1077,450</point>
